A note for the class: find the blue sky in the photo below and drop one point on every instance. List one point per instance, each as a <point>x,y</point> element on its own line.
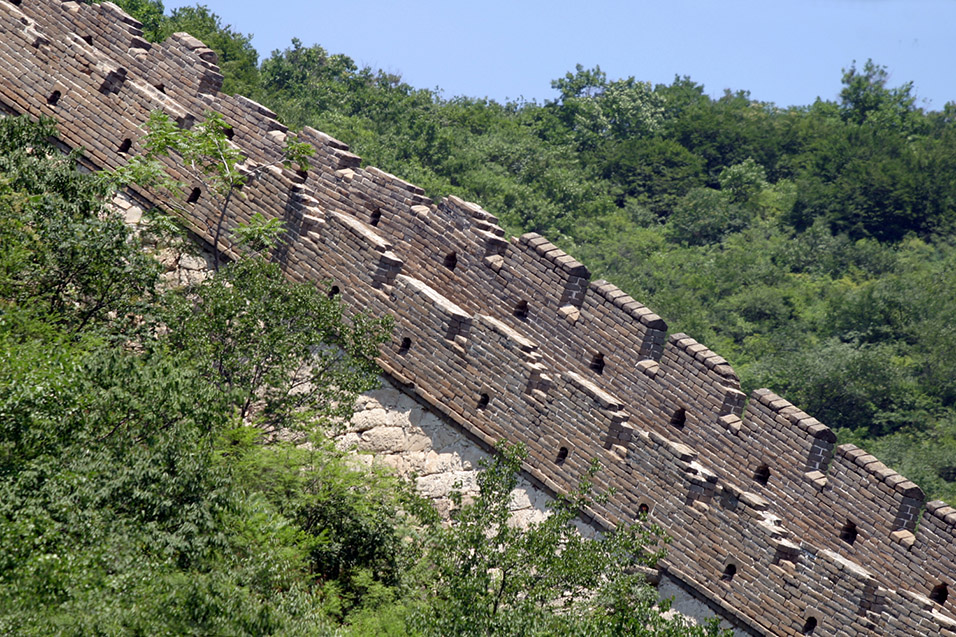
<point>784,51</point>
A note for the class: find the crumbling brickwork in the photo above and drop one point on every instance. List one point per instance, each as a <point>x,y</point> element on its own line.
<point>772,522</point>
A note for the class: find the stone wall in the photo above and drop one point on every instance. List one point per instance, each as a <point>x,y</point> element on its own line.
<point>771,521</point>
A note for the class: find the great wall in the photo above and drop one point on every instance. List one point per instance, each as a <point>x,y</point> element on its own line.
<point>773,523</point>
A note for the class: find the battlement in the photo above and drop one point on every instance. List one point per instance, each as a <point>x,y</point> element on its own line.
<point>510,338</point>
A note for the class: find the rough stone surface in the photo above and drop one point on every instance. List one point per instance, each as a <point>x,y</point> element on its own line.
<point>695,610</point>
<point>419,445</point>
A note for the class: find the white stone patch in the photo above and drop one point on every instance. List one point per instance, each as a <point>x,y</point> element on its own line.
<point>418,445</point>
<point>180,268</point>
<point>383,440</point>
<point>694,610</point>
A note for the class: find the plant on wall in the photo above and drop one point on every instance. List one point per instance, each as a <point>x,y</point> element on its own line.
<point>209,158</point>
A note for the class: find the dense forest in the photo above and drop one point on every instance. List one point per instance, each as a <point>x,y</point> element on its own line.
<point>811,246</point>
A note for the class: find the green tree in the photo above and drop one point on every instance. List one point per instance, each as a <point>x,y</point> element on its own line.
<point>873,181</point>
<point>62,251</point>
<point>865,99</point>
<point>310,83</point>
<point>495,578</point>
<point>656,172</point>
<point>744,181</point>
<point>131,499</point>
<point>208,156</point>
<point>705,216</point>
<point>278,346</point>
<point>597,109</point>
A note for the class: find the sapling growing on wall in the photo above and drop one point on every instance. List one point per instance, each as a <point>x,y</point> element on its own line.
<point>209,158</point>
<point>267,343</point>
<point>492,577</point>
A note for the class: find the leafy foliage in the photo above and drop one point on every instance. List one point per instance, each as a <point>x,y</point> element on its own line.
<point>209,157</point>
<point>62,252</point>
<point>595,109</point>
<point>495,578</point>
<point>132,500</point>
<point>279,346</point>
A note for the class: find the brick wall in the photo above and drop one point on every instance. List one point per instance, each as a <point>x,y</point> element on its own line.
<point>511,339</point>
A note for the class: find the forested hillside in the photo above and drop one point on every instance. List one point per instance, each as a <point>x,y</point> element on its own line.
<point>812,246</point>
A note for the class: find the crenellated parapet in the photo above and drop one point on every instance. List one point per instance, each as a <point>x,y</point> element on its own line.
<point>510,338</point>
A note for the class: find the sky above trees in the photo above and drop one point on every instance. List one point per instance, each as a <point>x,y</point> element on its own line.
<point>788,51</point>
